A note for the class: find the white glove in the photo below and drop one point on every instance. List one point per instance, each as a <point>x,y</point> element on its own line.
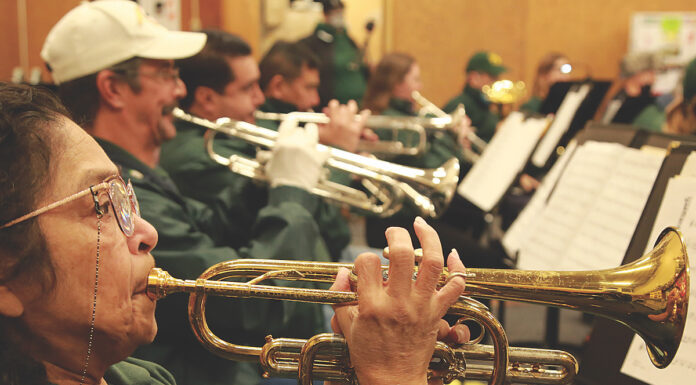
<point>296,161</point>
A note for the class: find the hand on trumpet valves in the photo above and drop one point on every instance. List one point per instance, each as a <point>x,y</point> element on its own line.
<point>345,129</point>
<point>392,330</point>
<point>463,130</point>
<point>295,159</point>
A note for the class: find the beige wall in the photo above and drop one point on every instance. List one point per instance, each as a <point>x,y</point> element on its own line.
<point>442,34</point>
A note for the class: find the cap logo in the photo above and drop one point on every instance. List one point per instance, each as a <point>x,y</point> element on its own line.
<point>495,59</point>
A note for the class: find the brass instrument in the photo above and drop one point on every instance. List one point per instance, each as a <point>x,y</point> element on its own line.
<point>478,145</point>
<point>649,295</point>
<point>389,184</point>
<point>505,91</point>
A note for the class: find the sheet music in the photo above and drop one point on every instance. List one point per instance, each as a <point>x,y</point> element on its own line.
<point>592,214</point>
<point>678,209</point>
<point>522,226</point>
<point>505,156</point>
<point>689,167</point>
<point>561,123</point>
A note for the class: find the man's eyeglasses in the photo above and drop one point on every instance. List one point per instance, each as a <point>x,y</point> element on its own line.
<point>170,74</point>
<point>121,196</point>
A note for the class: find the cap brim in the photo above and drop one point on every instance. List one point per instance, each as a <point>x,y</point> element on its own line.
<point>174,45</point>
<point>497,70</point>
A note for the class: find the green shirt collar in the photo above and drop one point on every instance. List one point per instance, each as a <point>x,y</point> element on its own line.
<point>279,106</point>
<point>401,105</point>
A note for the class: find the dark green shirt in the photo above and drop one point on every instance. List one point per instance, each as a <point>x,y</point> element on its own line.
<point>199,177</point>
<point>342,72</point>
<point>133,371</point>
<point>194,236</point>
<point>442,146</point>
<point>477,109</point>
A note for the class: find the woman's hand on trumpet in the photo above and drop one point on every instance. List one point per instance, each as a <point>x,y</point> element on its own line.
<point>391,332</point>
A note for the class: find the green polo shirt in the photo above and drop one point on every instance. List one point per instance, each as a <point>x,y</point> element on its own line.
<point>477,109</point>
<point>194,236</point>
<point>341,68</point>
<point>133,371</point>
<point>199,177</point>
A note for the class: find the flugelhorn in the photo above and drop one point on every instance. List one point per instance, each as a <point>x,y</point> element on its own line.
<point>389,184</point>
<point>649,295</point>
<point>478,145</point>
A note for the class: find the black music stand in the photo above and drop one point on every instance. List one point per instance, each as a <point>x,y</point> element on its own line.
<point>608,345</point>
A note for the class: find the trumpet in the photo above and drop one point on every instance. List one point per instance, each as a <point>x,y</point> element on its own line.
<point>478,145</point>
<point>415,145</point>
<point>389,185</point>
<point>649,295</point>
<point>505,91</point>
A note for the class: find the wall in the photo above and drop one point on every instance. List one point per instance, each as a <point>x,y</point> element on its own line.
<point>442,34</point>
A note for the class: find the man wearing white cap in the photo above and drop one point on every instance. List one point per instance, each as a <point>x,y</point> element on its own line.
<point>116,74</point>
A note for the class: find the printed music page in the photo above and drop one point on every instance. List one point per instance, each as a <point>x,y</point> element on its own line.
<point>505,156</point>
<point>689,168</point>
<point>678,209</point>
<point>561,123</point>
<point>523,224</point>
<point>593,211</point>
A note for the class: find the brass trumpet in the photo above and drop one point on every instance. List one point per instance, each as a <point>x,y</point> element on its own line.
<point>389,184</point>
<point>478,145</point>
<point>649,295</point>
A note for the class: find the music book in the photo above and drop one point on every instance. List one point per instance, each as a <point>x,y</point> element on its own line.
<point>678,208</point>
<point>502,160</point>
<point>592,213</point>
<point>561,124</point>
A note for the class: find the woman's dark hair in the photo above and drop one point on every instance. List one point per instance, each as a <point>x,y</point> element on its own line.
<point>390,71</point>
<point>27,121</point>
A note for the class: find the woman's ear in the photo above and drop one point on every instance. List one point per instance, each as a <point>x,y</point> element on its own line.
<point>10,305</point>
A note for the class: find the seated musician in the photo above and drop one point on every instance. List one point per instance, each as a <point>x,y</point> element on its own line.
<point>634,102</point>
<point>123,94</point>
<point>552,68</point>
<point>75,256</point>
<point>681,114</point>
<point>222,81</point>
<point>389,92</point>
<point>483,68</point>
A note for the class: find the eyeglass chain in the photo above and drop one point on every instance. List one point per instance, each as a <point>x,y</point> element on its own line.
<point>94,303</point>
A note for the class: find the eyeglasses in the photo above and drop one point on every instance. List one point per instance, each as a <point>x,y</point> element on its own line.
<point>121,196</point>
<point>166,74</point>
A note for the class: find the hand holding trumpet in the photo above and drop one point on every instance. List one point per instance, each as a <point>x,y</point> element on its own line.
<point>391,332</point>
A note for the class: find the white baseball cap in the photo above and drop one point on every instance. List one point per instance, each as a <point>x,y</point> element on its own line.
<point>97,35</point>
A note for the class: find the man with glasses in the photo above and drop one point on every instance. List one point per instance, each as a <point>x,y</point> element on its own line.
<point>115,70</point>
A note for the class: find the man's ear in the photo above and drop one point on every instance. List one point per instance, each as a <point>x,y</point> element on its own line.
<point>205,97</point>
<point>10,304</point>
<point>111,89</point>
<point>276,87</point>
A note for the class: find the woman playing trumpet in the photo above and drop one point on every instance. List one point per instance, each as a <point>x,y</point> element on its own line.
<point>75,257</point>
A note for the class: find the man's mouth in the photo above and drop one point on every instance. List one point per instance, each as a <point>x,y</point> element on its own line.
<point>167,110</point>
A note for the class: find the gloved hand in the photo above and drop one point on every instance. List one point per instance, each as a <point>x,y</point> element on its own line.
<point>295,159</point>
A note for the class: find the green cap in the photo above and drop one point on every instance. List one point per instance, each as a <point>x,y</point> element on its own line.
<point>690,81</point>
<point>488,62</point>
